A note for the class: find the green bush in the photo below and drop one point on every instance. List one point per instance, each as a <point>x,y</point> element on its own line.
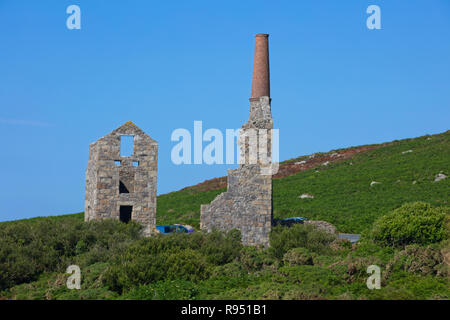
<point>341,244</point>
<point>133,269</point>
<point>282,239</point>
<point>298,256</point>
<point>254,259</point>
<point>163,290</point>
<point>313,279</point>
<point>187,265</point>
<point>189,257</point>
<point>221,248</point>
<point>29,248</point>
<point>415,222</point>
<point>419,260</point>
<point>232,270</point>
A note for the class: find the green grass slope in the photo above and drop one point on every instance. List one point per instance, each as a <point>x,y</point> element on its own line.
<point>342,192</point>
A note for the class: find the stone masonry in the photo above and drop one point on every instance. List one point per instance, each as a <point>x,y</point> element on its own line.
<point>122,187</point>
<point>247,203</point>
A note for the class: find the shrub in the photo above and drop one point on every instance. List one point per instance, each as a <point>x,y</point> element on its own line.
<point>183,257</point>
<point>298,256</point>
<point>231,270</point>
<point>29,248</point>
<point>251,258</point>
<point>340,245</point>
<point>299,294</point>
<point>221,248</point>
<point>282,239</point>
<point>163,290</point>
<point>187,265</point>
<point>412,223</point>
<point>418,260</point>
<point>312,279</point>
<point>135,268</point>
<point>254,259</point>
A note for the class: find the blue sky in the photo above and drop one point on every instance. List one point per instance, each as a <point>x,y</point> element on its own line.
<point>164,64</point>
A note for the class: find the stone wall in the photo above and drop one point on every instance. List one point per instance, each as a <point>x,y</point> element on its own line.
<point>114,181</point>
<point>247,203</point>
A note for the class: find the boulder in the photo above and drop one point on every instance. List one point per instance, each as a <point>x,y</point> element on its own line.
<point>335,154</point>
<point>322,225</point>
<point>440,177</point>
<point>306,196</point>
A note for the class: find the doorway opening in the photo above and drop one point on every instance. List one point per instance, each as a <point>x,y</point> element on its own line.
<point>125,213</point>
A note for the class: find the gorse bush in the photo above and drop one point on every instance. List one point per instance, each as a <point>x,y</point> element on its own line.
<point>419,260</point>
<point>316,280</point>
<point>131,269</point>
<point>283,239</point>
<point>189,257</point>
<point>163,290</point>
<point>28,249</point>
<point>298,256</point>
<point>415,222</point>
<point>253,259</point>
<point>221,248</point>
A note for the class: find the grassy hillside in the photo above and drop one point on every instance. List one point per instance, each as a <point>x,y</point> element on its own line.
<point>342,192</point>
<point>303,262</point>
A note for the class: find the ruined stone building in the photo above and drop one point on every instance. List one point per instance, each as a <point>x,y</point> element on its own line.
<point>247,203</point>
<point>121,178</point>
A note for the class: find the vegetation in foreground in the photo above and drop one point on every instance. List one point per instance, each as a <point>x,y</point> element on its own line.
<point>404,222</point>
<point>302,262</point>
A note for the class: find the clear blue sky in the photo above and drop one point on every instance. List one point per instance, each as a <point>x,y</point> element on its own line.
<point>164,64</point>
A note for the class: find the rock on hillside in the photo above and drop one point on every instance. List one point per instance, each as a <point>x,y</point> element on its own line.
<point>322,225</point>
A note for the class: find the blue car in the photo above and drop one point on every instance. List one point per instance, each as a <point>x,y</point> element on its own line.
<point>295,219</point>
<point>292,220</point>
<point>174,228</point>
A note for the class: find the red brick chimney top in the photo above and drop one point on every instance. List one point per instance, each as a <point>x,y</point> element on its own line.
<point>261,78</point>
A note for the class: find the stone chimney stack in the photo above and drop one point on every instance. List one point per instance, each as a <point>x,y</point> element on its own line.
<point>261,79</point>
<point>247,203</point>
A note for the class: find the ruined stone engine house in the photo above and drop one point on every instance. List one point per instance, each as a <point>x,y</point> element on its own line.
<point>122,185</point>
